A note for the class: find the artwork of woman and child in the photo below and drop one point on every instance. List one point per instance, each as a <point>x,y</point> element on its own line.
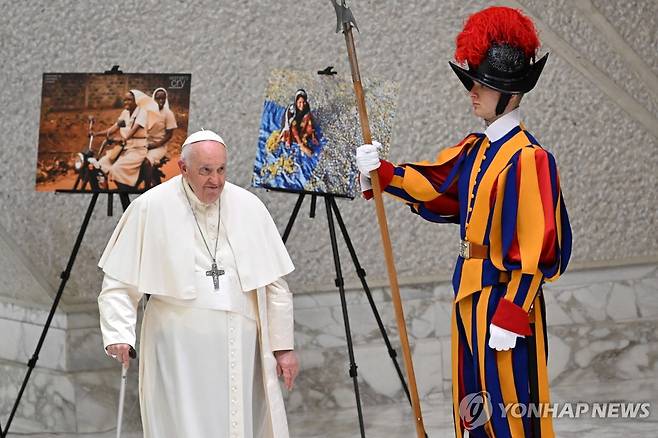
<point>298,125</point>
<point>308,129</point>
<point>290,144</point>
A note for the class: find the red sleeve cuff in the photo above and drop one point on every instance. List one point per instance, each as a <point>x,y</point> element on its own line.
<point>512,317</point>
<point>385,171</point>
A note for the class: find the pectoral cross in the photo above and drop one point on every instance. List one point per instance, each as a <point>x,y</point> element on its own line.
<point>215,273</point>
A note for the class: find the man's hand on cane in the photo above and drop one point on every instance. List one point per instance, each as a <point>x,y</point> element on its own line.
<point>121,352</point>
<point>287,365</point>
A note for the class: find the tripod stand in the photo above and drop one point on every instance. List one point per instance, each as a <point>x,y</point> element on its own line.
<point>64,276</point>
<point>332,208</point>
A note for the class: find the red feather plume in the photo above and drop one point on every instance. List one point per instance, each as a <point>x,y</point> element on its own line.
<point>496,24</point>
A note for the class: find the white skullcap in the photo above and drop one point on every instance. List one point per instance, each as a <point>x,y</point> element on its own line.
<point>203,135</point>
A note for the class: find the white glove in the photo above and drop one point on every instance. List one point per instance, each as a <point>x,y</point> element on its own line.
<point>365,182</point>
<point>501,339</point>
<point>367,157</point>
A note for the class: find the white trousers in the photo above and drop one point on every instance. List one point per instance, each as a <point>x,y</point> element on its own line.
<point>156,154</point>
<point>199,373</point>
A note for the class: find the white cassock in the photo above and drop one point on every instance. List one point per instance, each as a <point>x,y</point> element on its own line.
<point>206,362</point>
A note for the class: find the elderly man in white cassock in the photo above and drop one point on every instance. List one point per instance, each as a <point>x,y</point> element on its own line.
<point>218,327</point>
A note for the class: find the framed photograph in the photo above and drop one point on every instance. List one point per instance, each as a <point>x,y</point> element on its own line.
<point>309,131</point>
<point>110,131</point>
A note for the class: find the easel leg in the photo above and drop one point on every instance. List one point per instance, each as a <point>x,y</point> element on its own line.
<point>348,334</point>
<point>110,204</point>
<point>125,200</point>
<point>64,276</point>
<point>362,276</point>
<point>293,216</point>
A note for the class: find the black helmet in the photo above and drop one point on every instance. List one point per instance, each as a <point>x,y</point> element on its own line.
<point>499,44</point>
<point>505,69</point>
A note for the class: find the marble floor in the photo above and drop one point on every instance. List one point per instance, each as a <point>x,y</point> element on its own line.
<point>394,420</point>
<point>602,336</point>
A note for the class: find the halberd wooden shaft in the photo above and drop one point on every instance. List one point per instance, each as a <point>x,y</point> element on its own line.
<point>386,240</point>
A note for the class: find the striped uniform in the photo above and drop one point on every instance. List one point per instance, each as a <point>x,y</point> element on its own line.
<point>504,194</point>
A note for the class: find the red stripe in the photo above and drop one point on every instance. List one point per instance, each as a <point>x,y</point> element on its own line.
<point>546,192</point>
<point>514,253</point>
<point>443,205</point>
<point>493,195</point>
<point>436,174</point>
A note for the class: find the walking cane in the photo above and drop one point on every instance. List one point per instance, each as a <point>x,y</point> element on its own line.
<point>345,23</point>
<point>122,391</point>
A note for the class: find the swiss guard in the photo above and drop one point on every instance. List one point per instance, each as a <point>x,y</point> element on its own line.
<point>503,189</point>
